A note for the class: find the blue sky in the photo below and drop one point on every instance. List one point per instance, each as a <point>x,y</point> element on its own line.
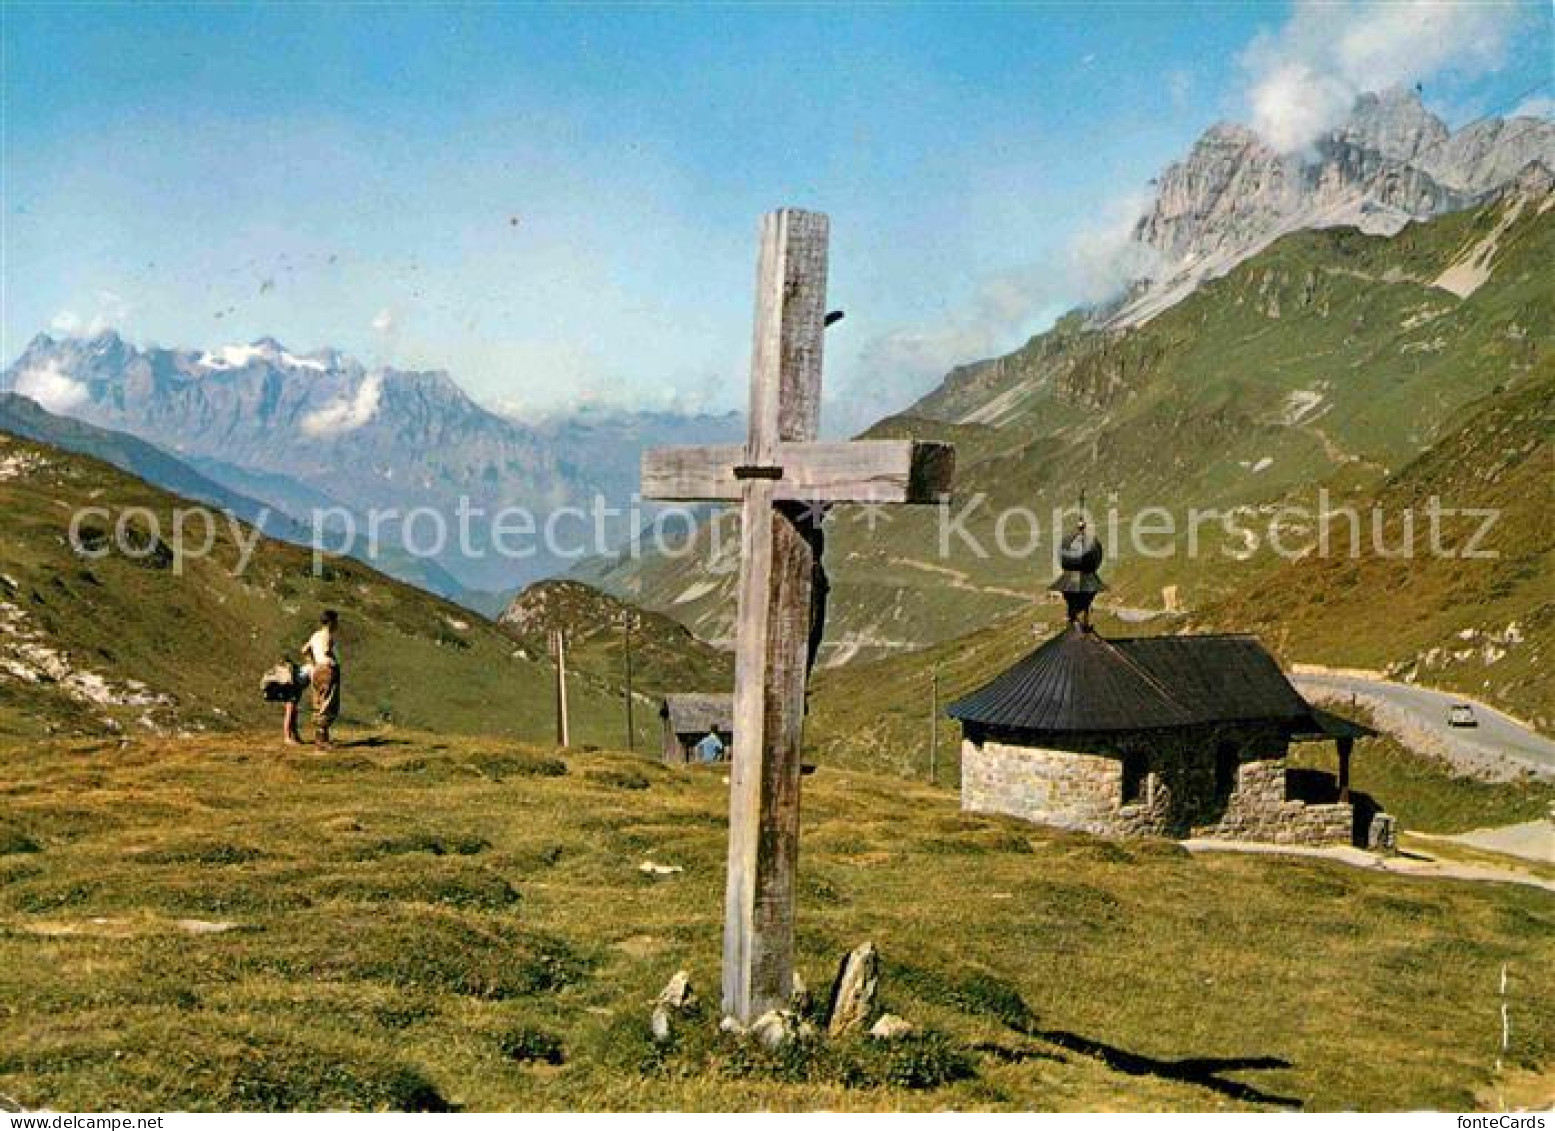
<point>558,204</point>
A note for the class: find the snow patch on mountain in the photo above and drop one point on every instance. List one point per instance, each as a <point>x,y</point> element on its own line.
<point>1301,404</point>
<point>240,356</point>
<point>1473,267</point>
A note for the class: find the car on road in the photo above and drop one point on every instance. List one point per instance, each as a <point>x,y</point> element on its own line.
<point>1461,715</point>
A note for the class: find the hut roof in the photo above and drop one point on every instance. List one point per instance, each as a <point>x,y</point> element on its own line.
<point>1326,724</point>
<point>1080,681</point>
<point>698,713</point>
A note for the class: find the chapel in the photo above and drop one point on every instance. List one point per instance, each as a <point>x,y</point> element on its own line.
<point>1178,736</point>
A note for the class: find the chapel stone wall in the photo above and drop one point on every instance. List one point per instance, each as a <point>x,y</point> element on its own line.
<point>1180,795</point>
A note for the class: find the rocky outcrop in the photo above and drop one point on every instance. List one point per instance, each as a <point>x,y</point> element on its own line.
<point>1393,161</point>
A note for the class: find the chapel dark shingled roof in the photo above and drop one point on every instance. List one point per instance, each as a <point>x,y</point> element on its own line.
<point>1079,681</point>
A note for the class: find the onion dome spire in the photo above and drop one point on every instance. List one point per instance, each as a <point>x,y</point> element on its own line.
<point>1079,555</point>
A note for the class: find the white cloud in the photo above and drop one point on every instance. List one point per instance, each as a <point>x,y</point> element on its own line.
<point>348,413</point>
<point>109,312</point>
<point>1103,256</point>
<point>1303,78</point>
<point>896,367</point>
<point>52,387</point>
<point>384,321</point>
<point>112,313</point>
<point>1539,106</point>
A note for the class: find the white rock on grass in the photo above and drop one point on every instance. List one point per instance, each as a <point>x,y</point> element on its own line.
<point>889,1027</point>
<point>777,1028</point>
<point>677,999</point>
<point>678,994</point>
<point>853,993</point>
<point>659,1024</point>
<point>799,997</point>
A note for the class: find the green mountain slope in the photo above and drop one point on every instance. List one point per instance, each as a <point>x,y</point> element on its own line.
<point>1329,360</point>
<point>226,487</point>
<point>149,641</point>
<point>1483,625</point>
<point>665,657</point>
<point>23,417</point>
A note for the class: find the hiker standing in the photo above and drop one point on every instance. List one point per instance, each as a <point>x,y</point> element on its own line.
<point>321,653</point>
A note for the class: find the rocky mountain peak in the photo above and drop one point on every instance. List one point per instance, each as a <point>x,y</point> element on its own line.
<point>1224,135</point>
<point>1390,162</point>
<point>1533,182</point>
<point>1393,123</point>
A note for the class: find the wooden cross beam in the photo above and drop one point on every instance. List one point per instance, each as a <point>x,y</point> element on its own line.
<point>783,479</point>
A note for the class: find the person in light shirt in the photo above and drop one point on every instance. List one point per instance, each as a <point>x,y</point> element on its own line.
<point>711,748</point>
<point>320,651</point>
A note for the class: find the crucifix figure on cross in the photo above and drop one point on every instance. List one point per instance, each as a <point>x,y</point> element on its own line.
<point>783,479</point>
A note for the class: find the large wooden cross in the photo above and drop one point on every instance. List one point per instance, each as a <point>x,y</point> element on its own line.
<point>784,480</point>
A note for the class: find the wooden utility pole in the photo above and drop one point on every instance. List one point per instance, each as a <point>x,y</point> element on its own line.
<point>631,732</point>
<point>934,728</point>
<point>559,650</point>
<point>784,480</point>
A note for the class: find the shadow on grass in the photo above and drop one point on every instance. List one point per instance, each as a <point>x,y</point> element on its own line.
<point>1204,1071</point>
<point>373,742</point>
<point>986,995</point>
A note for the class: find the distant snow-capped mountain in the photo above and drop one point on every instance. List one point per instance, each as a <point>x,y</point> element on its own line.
<point>1393,161</point>
<point>304,430</point>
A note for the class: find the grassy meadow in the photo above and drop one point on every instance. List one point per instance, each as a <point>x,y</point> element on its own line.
<point>216,922</point>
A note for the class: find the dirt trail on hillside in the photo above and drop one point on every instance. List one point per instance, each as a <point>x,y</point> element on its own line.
<point>1337,454</point>
<point>960,579</point>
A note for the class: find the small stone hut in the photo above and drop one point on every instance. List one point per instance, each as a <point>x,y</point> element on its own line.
<point>688,718</point>
<point>1169,736</point>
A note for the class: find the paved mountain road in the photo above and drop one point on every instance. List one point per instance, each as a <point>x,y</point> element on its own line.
<point>1499,747</point>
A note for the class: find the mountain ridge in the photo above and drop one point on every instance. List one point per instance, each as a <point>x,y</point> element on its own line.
<point>300,429</point>
<point>1391,162</point>
<point>1328,360</point>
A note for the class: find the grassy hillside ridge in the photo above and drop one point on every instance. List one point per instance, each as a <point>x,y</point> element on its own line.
<point>1484,626</point>
<point>433,922</point>
<point>1331,359</point>
<point>227,487</point>
<point>127,643</point>
<point>25,418</point>
<point>666,657</point>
